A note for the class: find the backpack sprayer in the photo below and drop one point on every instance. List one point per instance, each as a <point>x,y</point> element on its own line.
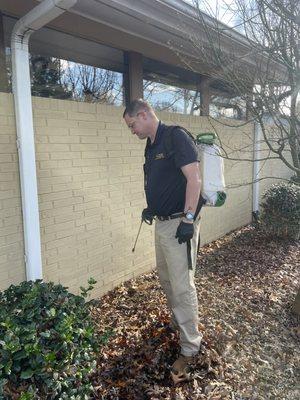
<point>211,170</point>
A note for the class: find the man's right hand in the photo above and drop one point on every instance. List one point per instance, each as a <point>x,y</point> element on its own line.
<point>147,216</point>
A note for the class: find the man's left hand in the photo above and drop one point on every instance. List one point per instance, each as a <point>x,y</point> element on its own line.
<point>185,232</point>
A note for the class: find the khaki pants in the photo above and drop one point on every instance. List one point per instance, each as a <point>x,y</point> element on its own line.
<point>177,281</point>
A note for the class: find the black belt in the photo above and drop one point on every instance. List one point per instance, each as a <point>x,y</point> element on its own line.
<point>168,217</point>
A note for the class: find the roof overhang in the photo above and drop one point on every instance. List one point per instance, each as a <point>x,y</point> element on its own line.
<point>165,31</point>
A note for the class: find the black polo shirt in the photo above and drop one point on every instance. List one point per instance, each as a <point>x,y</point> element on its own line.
<point>165,184</point>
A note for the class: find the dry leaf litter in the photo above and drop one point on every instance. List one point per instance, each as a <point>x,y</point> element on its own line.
<point>246,285</point>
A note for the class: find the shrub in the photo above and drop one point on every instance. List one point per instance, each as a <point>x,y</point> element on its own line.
<point>281,210</point>
<point>47,343</point>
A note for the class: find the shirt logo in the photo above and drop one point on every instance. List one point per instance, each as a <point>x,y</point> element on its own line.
<point>159,156</point>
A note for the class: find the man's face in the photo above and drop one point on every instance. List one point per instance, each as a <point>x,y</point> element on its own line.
<point>138,124</point>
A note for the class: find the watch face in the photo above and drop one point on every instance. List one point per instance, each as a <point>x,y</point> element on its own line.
<point>189,216</point>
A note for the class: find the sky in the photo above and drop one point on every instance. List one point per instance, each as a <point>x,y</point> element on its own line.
<point>219,9</point>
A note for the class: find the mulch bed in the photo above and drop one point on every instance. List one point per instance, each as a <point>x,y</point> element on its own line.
<point>246,285</point>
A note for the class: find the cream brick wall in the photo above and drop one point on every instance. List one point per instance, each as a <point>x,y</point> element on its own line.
<point>12,267</point>
<point>90,195</point>
<point>90,186</point>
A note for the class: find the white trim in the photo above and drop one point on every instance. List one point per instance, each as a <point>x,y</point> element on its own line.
<point>256,167</point>
<point>33,20</point>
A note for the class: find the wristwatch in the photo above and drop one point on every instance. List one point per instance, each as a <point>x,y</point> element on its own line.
<point>190,216</point>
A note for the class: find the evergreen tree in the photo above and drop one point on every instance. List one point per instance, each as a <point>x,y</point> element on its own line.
<point>46,78</point>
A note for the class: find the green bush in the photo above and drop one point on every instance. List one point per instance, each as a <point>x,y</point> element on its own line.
<point>281,210</point>
<point>47,343</point>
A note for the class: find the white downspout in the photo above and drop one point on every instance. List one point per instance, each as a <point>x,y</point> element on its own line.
<point>32,21</point>
<point>256,169</point>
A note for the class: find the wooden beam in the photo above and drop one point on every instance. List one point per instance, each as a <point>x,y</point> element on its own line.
<point>249,104</point>
<point>4,87</point>
<point>204,96</point>
<point>133,77</point>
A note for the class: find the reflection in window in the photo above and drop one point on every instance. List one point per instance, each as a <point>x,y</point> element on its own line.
<point>91,84</point>
<point>56,78</point>
<point>171,98</point>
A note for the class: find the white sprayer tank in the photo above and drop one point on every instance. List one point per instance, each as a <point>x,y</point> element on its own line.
<point>212,170</point>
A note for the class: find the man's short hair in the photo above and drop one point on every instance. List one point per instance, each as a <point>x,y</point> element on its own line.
<point>135,106</point>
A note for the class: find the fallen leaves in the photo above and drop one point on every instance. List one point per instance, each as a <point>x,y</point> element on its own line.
<point>246,285</point>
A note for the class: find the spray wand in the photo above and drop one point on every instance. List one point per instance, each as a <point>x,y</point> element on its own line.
<point>137,236</point>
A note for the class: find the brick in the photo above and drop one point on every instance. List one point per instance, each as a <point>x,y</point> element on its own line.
<point>6,194</point>
<point>65,171</point>
<point>52,164</point>
<point>87,205</point>
<point>4,139</point>
<point>42,156</point>
<point>8,148</point>
<point>55,179</point>
<point>17,274</point>
<point>12,220</point>
<point>6,158</point>
<point>87,192</point>
<point>89,170</point>
<point>68,201</point>
<point>68,105</point>
<point>7,176</point>
<point>93,154</point>
<point>60,227</point>
<point>58,211</point>
<point>118,153</point>
<point>14,238</point>
<point>82,116</point>
<point>91,125</point>
<point>61,123</point>
<point>44,174</point>
<point>56,196</point>
<point>108,118</point>
<point>112,126</point>
<point>48,205</point>
<point>52,148</point>
<point>85,162</point>
<point>3,120</point>
<point>121,139</point>
<point>82,147</point>
<point>49,131</point>
<point>75,216</point>
<point>111,161</point>
<point>41,103</point>
<point>49,114</point>
<point>64,139</point>
<point>94,139</point>
<point>86,220</point>
<point>86,177</point>
<point>39,122</point>
<point>58,187</point>
<point>64,156</point>
<point>83,131</point>
<point>87,108</point>
<point>63,242</point>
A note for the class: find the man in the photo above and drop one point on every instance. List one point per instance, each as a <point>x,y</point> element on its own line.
<point>172,188</point>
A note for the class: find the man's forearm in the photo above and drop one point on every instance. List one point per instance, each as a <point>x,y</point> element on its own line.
<point>192,194</point>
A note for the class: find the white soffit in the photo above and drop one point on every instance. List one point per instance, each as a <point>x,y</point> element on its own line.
<point>173,24</point>
<point>52,43</point>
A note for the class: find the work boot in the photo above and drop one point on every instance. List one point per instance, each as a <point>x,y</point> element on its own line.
<point>181,369</point>
<point>173,325</point>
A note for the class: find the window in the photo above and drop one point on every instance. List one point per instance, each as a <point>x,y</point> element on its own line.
<point>170,98</point>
